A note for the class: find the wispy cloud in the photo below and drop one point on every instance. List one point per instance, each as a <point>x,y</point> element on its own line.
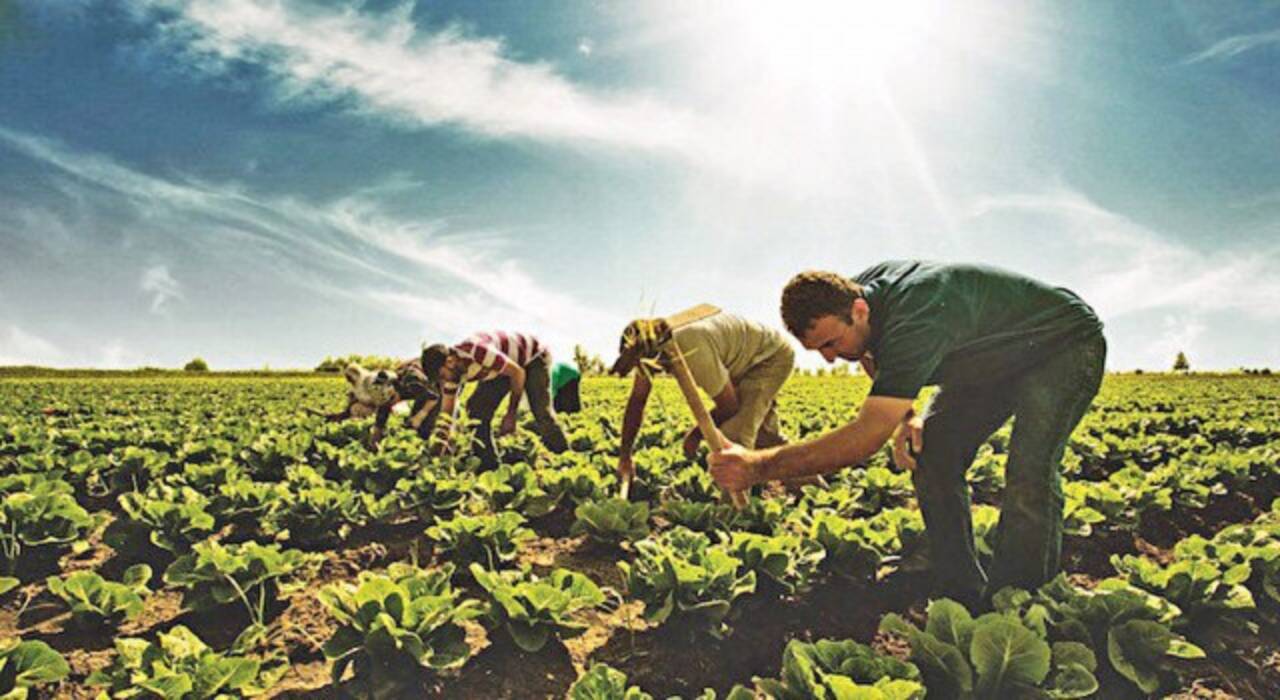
<point>391,70</point>
<point>343,248</point>
<point>751,129</point>
<point>1236,45</point>
<point>1125,268</point>
<point>160,284</point>
<point>19,347</point>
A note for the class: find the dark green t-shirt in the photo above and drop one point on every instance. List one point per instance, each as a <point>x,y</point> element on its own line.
<point>933,323</point>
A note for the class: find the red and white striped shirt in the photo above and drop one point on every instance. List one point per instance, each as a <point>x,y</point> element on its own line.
<point>479,358</point>
<point>483,356</point>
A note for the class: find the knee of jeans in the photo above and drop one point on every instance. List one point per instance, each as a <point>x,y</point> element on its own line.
<point>932,486</point>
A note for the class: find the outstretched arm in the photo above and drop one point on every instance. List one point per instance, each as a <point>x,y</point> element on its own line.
<point>331,417</point>
<point>736,468</point>
<point>632,417</point>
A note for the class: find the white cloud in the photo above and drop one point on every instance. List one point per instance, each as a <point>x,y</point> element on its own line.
<point>19,347</point>
<point>1122,267</point>
<point>391,70</point>
<point>160,284</point>
<point>1236,45</point>
<point>352,236</point>
<point>765,122</point>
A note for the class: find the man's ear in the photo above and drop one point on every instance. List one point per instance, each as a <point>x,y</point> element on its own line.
<point>353,373</point>
<point>860,311</point>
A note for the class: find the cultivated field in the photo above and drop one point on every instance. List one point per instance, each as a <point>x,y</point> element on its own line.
<point>204,537</point>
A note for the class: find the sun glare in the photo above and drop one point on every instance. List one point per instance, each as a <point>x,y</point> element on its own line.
<point>832,40</point>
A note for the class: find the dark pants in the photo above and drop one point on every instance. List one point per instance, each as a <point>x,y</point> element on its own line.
<point>488,395</point>
<point>569,398</point>
<point>1047,402</point>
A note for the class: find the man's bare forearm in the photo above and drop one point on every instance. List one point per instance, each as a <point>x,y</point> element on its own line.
<point>631,419</point>
<point>851,444</point>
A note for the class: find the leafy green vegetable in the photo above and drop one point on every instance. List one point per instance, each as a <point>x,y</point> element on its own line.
<point>513,487</point>
<point>996,655</point>
<point>96,601</point>
<point>314,511</point>
<point>182,667</point>
<point>1100,620</point>
<point>489,540</point>
<point>612,521</point>
<point>602,682</point>
<point>680,571</point>
<point>175,518</point>
<point>250,573</point>
<point>853,549</point>
<point>578,483</point>
<point>790,561</point>
<point>532,608</point>
<point>44,516</point>
<point>841,669</point>
<point>392,623</point>
<point>1207,593</point>
<point>28,664</point>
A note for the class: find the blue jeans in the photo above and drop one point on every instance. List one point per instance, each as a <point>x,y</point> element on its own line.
<point>1047,401</point>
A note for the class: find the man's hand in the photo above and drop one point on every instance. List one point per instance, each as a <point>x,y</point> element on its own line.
<point>691,441</point>
<point>908,441</point>
<point>508,424</point>
<point>735,468</point>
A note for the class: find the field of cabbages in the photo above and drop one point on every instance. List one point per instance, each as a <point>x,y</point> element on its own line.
<point>205,537</point>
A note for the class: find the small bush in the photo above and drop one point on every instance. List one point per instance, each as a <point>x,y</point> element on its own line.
<point>196,365</point>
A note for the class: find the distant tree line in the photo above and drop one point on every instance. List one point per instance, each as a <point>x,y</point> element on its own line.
<point>588,365</point>
<point>338,364</point>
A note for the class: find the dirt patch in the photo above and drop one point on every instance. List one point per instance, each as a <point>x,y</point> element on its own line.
<point>682,657</point>
<point>1165,529</point>
<point>1092,555</point>
<point>303,628</point>
<point>555,524</point>
<point>347,564</point>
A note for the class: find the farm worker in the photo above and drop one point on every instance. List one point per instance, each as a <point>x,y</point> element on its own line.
<point>739,363</point>
<point>376,392</point>
<point>565,387</point>
<point>500,363</point>
<point>997,344</point>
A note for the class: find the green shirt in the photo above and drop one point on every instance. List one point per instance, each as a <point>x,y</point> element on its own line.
<point>562,374</point>
<point>934,323</point>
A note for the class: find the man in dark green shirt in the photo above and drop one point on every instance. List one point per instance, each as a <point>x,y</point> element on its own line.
<point>997,344</point>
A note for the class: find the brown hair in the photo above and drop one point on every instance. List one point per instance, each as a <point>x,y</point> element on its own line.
<point>433,357</point>
<point>813,294</point>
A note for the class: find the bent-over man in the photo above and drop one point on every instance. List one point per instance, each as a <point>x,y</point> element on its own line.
<point>501,364</point>
<point>739,363</point>
<point>997,344</point>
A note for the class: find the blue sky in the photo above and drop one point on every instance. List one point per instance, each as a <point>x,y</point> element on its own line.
<point>267,182</point>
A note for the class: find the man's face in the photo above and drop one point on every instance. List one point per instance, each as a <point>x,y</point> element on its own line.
<point>834,337</point>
